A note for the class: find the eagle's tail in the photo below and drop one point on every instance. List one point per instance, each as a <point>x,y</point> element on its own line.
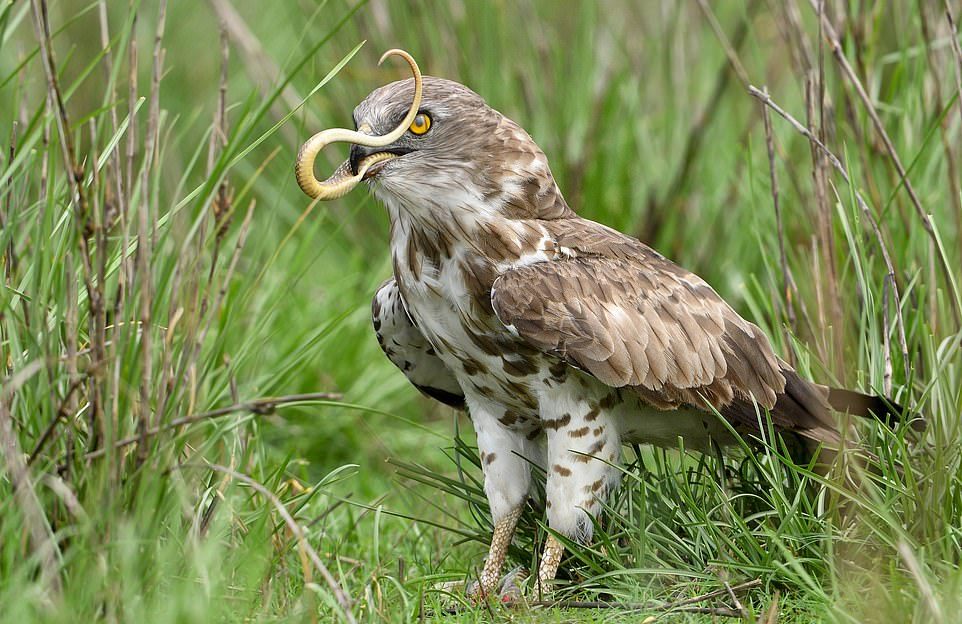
<point>869,406</point>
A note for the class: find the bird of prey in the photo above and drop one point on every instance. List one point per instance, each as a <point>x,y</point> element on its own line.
<point>562,337</point>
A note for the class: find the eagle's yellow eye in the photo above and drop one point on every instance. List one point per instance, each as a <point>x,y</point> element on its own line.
<point>421,124</point>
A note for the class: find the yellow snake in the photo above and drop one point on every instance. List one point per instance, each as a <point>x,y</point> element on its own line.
<point>341,182</point>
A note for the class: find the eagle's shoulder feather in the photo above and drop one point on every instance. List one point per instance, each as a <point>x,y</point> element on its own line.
<point>631,318</point>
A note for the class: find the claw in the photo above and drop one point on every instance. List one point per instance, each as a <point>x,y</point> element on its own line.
<point>511,585</point>
<point>507,590</point>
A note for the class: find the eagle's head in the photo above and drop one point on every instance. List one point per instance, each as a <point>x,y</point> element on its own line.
<point>430,146</point>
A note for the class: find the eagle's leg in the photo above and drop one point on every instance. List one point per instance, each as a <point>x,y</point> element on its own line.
<point>550,560</point>
<point>500,541</point>
<point>584,448</point>
<point>507,477</point>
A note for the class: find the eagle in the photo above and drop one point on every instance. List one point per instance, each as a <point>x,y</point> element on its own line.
<point>563,338</point>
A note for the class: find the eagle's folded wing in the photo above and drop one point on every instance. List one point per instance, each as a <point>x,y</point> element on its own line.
<point>641,322</point>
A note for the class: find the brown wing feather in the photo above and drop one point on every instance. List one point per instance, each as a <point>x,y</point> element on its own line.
<point>630,322</point>
<point>620,311</point>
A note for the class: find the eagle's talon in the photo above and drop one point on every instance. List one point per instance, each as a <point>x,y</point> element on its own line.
<point>511,587</point>
<point>507,590</point>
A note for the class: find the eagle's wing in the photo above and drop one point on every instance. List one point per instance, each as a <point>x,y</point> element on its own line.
<point>405,345</point>
<point>623,313</point>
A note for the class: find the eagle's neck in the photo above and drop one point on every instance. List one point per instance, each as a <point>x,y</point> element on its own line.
<point>472,232</point>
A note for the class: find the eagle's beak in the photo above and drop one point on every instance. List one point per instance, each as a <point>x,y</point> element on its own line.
<point>363,157</point>
<point>351,172</point>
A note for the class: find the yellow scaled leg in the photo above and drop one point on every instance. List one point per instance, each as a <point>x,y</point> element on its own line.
<point>500,541</point>
<point>550,560</point>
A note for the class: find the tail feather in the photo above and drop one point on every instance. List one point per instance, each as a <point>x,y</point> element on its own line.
<point>866,405</point>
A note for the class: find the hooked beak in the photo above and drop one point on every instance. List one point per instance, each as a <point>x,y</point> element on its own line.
<point>366,157</point>
<point>363,157</point>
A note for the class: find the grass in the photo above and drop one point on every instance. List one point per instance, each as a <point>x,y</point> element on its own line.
<point>193,276</point>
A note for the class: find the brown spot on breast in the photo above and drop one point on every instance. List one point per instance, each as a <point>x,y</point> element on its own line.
<point>472,367</point>
<point>520,392</point>
<point>483,390</point>
<point>489,458</point>
<point>509,418</point>
<point>598,431</point>
<point>519,368</point>
<point>556,423</point>
<point>414,258</point>
<point>593,414</point>
<point>610,400</point>
<point>534,433</point>
<point>597,485</point>
<point>559,370</point>
<point>589,454</point>
<point>561,470</point>
<point>484,342</point>
<point>579,433</point>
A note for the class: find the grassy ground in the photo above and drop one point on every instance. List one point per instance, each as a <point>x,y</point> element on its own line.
<point>178,270</point>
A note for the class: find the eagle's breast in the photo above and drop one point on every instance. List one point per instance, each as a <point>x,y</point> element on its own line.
<point>445,275</point>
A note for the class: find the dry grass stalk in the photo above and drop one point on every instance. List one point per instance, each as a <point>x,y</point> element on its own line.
<point>145,235</point>
<point>866,211</point>
<point>340,595</point>
<point>10,253</point>
<point>788,284</point>
<point>257,406</point>
<point>886,347</point>
<point>262,69</point>
<point>218,134</point>
<point>113,163</point>
<point>832,38</point>
<point>115,189</point>
<point>828,296</point>
<point>41,535</point>
<point>957,54</point>
<point>952,169</point>
<point>75,177</point>
<point>71,316</point>
<point>771,615</point>
<point>647,230</point>
<point>188,264</point>
<point>825,220</point>
<point>129,265</point>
